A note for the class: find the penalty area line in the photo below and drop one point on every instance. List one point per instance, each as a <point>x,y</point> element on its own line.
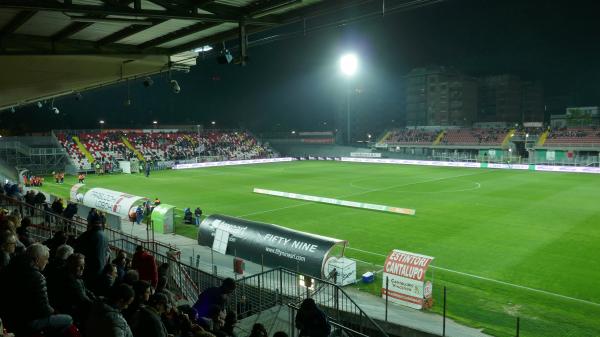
<point>495,281</point>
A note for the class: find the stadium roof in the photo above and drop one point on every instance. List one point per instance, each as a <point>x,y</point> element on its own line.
<point>50,48</point>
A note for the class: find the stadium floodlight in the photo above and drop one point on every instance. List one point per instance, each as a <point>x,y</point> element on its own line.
<point>55,110</point>
<point>39,104</point>
<point>213,122</point>
<point>349,64</point>
<point>101,121</point>
<point>293,132</point>
<point>154,122</point>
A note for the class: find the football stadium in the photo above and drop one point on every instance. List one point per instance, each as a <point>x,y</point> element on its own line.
<point>168,170</point>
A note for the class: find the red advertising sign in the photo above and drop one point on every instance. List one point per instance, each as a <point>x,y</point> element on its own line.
<point>404,276</point>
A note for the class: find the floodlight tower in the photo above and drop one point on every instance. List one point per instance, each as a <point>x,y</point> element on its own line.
<point>348,66</point>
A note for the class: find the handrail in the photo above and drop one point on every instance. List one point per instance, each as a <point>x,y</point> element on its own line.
<point>338,325</point>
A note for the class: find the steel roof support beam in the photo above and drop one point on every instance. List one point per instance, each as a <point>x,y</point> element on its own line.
<point>38,5</point>
<point>177,34</point>
<point>125,32</point>
<point>17,22</point>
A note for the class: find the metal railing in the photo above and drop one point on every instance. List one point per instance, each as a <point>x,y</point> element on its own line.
<point>253,294</point>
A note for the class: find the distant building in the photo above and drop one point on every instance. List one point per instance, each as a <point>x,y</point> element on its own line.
<point>507,98</point>
<point>440,96</point>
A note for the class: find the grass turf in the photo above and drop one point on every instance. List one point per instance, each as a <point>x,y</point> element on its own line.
<point>526,229</point>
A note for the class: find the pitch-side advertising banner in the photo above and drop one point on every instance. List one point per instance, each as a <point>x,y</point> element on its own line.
<point>550,168</point>
<point>110,201</point>
<point>230,163</point>
<point>278,246</point>
<point>405,273</point>
<point>365,154</point>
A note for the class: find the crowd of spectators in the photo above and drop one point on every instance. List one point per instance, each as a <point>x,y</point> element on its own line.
<point>70,286</point>
<point>412,136</point>
<point>108,147</point>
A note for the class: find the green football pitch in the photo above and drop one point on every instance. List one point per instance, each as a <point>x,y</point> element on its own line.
<point>506,243</point>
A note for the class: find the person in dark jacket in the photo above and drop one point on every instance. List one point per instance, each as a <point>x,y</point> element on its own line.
<point>26,307</point>
<point>70,210</point>
<point>106,280</point>
<point>105,319</point>
<point>311,320</point>
<point>142,290</point>
<point>23,232</point>
<point>68,293</point>
<point>57,206</point>
<point>214,296</point>
<point>93,244</point>
<point>8,243</point>
<point>147,321</point>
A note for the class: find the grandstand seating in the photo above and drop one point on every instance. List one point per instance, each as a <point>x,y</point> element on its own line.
<point>109,146</point>
<point>582,136</point>
<point>474,136</point>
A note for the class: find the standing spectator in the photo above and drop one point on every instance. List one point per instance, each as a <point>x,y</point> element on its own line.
<point>198,215</point>
<point>139,214</point>
<point>311,320</point>
<point>105,319</point>
<point>145,264</point>
<point>147,322</point>
<point>57,206</point>
<point>214,296</point>
<point>94,245</point>
<point>26,306</point>
<point>70,210</point>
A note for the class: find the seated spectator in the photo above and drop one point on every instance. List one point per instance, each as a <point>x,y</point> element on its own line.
<point>58,262</point>
<point>145,264</point>
<point>259,330</point>
<point>131,276</point>
<point>106,280</point>
<point>122,264</point>
<point>105,319</point>
<point>8,242</point>
<point>68,293</point>
<point>214,296</point>
<point>229,325</point>
<point>142,290</point>
<point>147,321</point>
<point>23,232</point>
<point>59,239</point>
<point>11,223</point>
<point>26,306</point>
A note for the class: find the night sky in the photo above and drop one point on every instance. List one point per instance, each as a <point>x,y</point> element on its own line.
<point>294,82</point>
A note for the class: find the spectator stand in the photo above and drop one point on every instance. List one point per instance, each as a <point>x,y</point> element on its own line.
<point>254,294</point>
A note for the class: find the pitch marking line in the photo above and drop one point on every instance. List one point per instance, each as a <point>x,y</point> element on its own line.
<point>495,281</point>
<point>360,193</point>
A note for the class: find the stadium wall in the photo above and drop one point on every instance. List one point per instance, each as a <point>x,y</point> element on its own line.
<point>317,150</point>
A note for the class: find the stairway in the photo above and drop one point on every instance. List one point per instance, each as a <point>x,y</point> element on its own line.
<point>508,137</point>
<point>83,150</point>
<point>439,138</point>
<point>542,138</point>
<point>138,154</point>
